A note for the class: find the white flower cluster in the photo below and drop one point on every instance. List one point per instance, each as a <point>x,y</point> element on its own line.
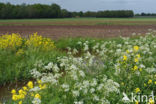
<point>77,70</point>
<point>93,76</point>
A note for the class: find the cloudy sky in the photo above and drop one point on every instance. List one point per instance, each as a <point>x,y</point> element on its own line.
<point>94,5</point>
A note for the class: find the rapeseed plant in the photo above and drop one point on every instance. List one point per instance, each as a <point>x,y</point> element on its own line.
<point>11,41</point>
<point>39,42</point>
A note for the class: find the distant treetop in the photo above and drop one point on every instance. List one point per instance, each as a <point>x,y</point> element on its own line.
<point>10,11</point>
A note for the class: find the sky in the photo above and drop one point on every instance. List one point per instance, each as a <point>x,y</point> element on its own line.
<point>138,6</point>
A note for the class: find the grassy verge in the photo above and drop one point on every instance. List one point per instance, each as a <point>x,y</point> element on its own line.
<point>17,61</point>
<point>15,64</point>
<point>18,56</point>
<point>103,73</point>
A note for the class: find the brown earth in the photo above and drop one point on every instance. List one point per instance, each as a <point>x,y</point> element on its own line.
<point>57,32</point>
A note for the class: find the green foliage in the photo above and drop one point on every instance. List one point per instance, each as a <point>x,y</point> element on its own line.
<point>15,68</point>
<point>16,62</point>
<point>10,11</point>
<point>115,14</point>
<point>100,75</point>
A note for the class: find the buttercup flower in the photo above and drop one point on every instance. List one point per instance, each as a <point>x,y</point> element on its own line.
<point>30,84</point>
<point>136,102</point>
<point>13,91</point>
<point>150,81</point>
<point>124,58</point>
<point>136,60</point>
<point>20,102</point>
<point>151,101</point>
<point>136,48</point>
<point>137,90</point>
<point>135,68</point>
<point>15,97</point>
<point>25,88</point>
<point>38,96</point>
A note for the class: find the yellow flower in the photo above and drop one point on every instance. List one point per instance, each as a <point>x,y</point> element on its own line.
<point>155,82</point>
<point>151,101</point>
<point>22,96</point>
<point>136,102</point>
<point>38,96</point>
<point>13,91</point>
<point>24,92</point>
<point>124,58</point>
<point>150,81</point>
<point>127,51</point>
<point>135,68</point>
<point>15,97</point>
<point>140,69</point>
<point>138,55</point>
<point>136,48</point>
<point>39,81</point>
<point>136,60</point>
<point>38,41</point>
<point>20,102</point>
<point>42,86</point>
<point>137,90</point>
<point>30,84</point>
<point>25,88</point>
<point>20,91</point>
<point>10,41</point>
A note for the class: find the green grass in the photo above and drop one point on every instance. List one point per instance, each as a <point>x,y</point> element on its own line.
<point>79,21</point>
<point>15,68</point>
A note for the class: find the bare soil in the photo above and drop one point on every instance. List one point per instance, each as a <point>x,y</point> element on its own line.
<point>57,32</point>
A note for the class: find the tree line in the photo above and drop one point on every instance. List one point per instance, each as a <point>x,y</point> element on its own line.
<point>10,11</point>
<point>146,14</point>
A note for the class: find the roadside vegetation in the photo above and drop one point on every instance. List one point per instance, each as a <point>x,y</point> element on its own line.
<point>80,70</point>
<point>18,55</point>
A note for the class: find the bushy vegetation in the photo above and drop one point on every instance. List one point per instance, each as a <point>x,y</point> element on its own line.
<point>18,55</point>
<point>94,72</point>
<point>115,14</point>
<point>146,14</point>
<point>10,11</point>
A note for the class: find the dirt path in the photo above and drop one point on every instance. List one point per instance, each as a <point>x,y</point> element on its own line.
<point>57,32</point>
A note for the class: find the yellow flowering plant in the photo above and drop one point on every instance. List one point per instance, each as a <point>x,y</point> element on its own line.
<point>37,41</point>
<point>137,90</point>
<point>19,54</point>
<point>10,41</point>
<point>129,68</point>
<point>15,41</point>
<point>28,92</point>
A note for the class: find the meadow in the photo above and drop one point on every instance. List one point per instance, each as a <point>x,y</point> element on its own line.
<point>80,70</point>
